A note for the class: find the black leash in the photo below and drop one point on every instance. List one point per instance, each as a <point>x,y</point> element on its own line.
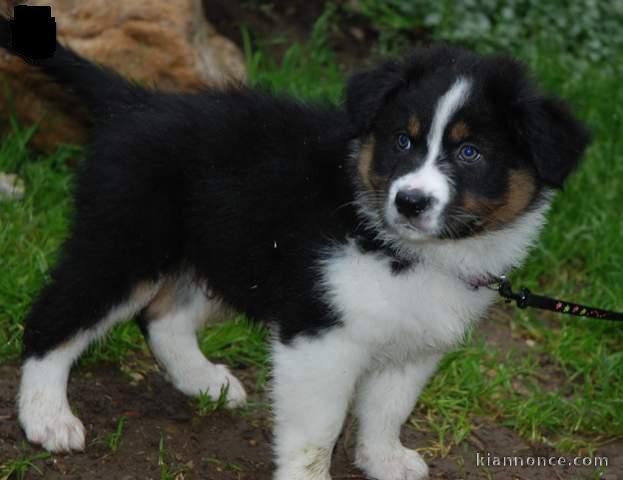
<point>524,298</point>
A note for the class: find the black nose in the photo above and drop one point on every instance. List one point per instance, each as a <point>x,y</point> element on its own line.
<point>411,203</point>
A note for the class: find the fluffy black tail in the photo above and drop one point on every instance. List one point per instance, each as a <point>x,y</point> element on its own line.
<point>102,90</point>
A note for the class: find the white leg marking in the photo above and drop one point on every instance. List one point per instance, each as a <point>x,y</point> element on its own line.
<point>314,380</point>
<point>44,411</point>
<point>385,399</point>
<point>173,341</point>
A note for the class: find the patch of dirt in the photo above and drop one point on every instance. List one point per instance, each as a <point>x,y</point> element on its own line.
<point>224,445</point>
<point>496,330</point>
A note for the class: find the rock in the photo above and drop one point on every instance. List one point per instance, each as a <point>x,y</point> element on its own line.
<point>166,44</point>
<point>11,186</point>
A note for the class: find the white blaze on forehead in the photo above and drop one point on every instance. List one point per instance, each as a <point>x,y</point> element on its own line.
<point>447,106</point>
<point>429,178</point>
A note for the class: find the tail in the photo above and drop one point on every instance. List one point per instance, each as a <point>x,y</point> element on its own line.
<point>102,90</point>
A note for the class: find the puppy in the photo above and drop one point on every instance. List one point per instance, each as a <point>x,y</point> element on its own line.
<point>361,235</point>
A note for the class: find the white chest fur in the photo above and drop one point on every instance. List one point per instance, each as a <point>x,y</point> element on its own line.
<point>423,309</point>
<point>427,308</point>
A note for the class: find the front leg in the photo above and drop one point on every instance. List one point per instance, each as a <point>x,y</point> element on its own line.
<point>384,401</point>
<point>314,381</point>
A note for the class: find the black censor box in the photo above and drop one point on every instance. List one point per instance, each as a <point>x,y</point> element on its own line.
<point>33,32</point>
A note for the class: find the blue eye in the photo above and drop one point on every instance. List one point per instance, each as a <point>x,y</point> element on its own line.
<point>469,154</point>
<point>403,141</point>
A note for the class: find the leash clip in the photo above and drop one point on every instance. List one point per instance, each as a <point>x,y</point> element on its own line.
<point>505,289</point>
<point>498,282</point>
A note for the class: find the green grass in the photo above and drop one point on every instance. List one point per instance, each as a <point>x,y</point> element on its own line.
<point>113,439</point>
<point>207,405</point>
<point>563,387</point>
<point>19,468</point>
<point>579,33</point>
<point>30,230</point>
<point>307,71</point>
<point>169,467</point>
<point>580,256</point>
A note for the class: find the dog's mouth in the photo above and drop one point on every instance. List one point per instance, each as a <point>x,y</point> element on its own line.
<point>430,226</point>
<point>443,227</point>
<point>414,230</point>
<point>425,226</point>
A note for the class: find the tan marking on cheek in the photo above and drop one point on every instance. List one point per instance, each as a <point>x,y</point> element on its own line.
<point>481,207</point>
<point>364,166</point>
<point>459,131</point>
<point>495,213</point>
<point>471,203</point>
<point>414,126</point>
<point>521,188</point>
<point>364,162</point>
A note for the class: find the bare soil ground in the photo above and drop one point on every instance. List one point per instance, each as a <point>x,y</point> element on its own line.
<point>164,437</point>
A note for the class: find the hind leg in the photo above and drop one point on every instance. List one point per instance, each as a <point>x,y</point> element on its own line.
<point>77,307</point>
<point>171,322</point>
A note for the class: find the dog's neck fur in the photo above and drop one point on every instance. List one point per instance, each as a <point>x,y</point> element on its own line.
<point>488,254</point>
<point>485,255</point>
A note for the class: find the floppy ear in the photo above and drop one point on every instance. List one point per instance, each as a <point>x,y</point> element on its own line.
<point>553,137</point>
<point>544,127</point>
<point>367,91</point>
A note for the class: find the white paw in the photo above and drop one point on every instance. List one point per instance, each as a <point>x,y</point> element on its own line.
<point>211,379</point>
<point>398,463</point>
<point>51,424</point>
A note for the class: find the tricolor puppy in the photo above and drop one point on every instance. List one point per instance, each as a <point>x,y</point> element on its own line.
<point>360,235</point>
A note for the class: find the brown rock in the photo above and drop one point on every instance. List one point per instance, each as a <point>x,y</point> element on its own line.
<point>166,44</point>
